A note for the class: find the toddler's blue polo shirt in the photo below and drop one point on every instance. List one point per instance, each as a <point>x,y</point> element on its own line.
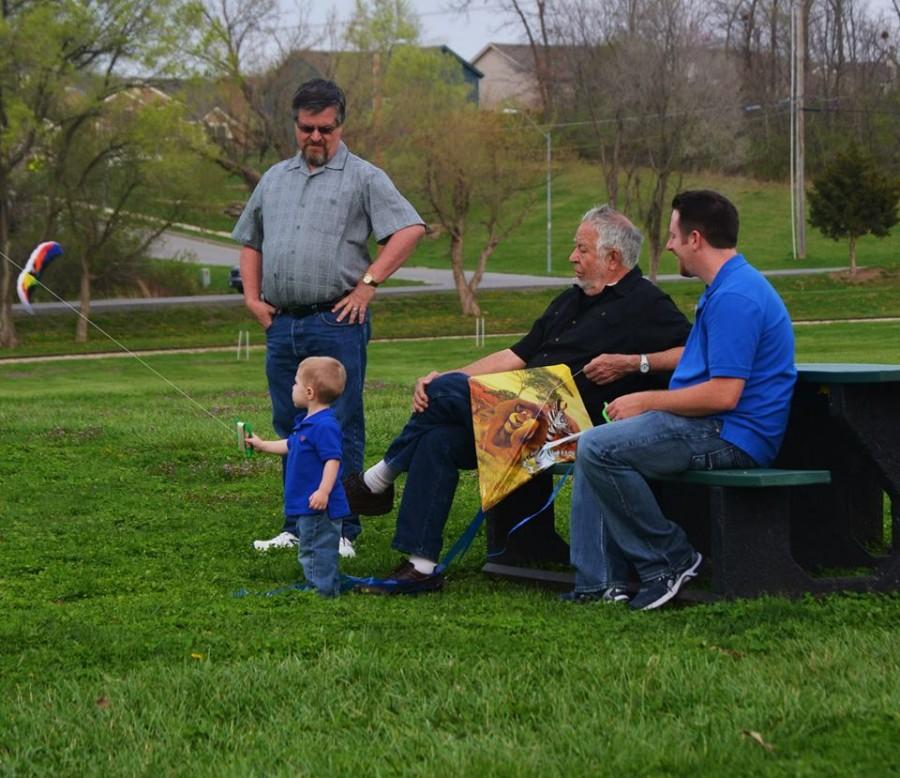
<point>314,440</point>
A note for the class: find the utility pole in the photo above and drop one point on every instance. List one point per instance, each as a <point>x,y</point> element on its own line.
<point>798,155</point>
<point>548,137</point>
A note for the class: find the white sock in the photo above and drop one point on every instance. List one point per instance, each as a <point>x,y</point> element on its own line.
<point>423,565</point>
<point>379,477</point>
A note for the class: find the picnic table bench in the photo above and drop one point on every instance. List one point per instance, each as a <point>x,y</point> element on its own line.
<point>813,523</point>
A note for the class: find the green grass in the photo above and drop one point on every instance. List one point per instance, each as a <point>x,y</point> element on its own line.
<point>127,517</point>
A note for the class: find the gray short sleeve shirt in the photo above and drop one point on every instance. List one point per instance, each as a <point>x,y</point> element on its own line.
<point>313,226</point>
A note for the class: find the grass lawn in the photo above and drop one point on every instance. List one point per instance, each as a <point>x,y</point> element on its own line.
<point>127,517</point>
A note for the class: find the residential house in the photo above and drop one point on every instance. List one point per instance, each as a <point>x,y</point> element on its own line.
<point>508,76</point>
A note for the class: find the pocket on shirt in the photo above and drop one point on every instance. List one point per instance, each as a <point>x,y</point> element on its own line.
<point>331,216</point>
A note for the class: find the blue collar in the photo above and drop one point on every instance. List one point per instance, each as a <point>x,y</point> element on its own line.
<point>303,420</point>
<point>726,271</point>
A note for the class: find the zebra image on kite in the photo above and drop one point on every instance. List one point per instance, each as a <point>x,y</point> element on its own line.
<point>524,421</point>
<point>31,274</point>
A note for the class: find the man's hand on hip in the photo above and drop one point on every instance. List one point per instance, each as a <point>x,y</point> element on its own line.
<point>353,307</point>
<point>263,312</point>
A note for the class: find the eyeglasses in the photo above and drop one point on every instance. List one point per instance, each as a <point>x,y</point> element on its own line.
<point>309,129</point>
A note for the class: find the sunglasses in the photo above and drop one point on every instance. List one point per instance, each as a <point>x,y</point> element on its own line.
<point>309,129</point>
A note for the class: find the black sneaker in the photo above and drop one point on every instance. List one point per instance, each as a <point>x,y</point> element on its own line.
<point>612,594</point>
<point>660,590</point>
<point>404,579</point>
<point>363,500</point>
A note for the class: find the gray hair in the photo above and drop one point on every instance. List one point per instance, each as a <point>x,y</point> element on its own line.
<point>614,231</point>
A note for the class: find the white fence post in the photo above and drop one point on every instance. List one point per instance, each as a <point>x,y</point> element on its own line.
<point>243,343</point>
<point>479,331</point>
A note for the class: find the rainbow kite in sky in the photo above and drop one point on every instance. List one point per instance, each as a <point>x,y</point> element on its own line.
<point>37,263</point>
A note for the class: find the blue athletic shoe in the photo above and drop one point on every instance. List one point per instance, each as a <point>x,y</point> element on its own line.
<point>660,590</point>
<point>612,594</point>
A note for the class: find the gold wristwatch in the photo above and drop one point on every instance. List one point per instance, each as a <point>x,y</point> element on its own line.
<point>368,280</point>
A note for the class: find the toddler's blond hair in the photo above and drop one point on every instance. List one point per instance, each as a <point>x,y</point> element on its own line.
<point>325,375</point>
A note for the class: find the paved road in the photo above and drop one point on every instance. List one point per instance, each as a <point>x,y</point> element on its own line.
<point>217,250</point>
<point>223,251</point>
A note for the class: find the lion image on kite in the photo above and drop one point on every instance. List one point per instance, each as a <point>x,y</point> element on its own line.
<point>520,415</point>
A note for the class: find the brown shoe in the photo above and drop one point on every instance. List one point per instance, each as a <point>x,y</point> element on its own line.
<point>405,579</point>
<point>363,500</point>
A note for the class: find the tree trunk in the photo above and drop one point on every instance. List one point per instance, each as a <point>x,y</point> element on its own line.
<point>853,255</point>
<point>8,337</point>
<point>611,165</point>
<point>248,175</point>
<point>84,307</point>
<point>468,300</point>
<point>655,221</point>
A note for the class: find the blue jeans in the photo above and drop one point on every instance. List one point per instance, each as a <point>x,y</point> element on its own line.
<point>290,340</point>
<point>318,552</point>
<point>432,447</point>
<point>615,517</point>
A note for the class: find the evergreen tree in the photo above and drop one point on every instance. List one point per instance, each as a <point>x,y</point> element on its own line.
<point>853,198</point>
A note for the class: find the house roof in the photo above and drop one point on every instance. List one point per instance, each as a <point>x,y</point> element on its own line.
<point>561,59</point>
<point>464,62</point>
<point>520,54</point>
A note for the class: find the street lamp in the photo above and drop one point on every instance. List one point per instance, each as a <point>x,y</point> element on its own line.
<point>548,138</point>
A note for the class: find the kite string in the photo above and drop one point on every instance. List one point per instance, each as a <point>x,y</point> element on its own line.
<point>122,346</point>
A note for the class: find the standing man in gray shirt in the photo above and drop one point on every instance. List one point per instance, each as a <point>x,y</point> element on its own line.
<point>307,273</point>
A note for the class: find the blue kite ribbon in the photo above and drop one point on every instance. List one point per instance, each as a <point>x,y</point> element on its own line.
<point>458,549</point>
<point>347,582</point>
<point>463,542</point>
<point>462,545</point>
<point>523,522</point>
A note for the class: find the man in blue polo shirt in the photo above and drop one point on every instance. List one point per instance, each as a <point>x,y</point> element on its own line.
<point>726,407</point>
<point>305,265</point>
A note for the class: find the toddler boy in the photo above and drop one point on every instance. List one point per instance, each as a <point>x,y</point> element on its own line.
<point>313,492</point>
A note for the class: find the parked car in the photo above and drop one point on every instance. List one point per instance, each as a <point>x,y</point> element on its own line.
<point>234,280</point>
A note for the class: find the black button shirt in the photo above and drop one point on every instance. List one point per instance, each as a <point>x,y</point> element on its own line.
<point>632,317</point>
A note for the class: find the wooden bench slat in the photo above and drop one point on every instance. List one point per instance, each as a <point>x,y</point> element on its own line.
<point>759,477</point>
<point>755,478</point>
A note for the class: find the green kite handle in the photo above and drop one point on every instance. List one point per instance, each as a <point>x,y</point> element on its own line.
<point>244,429</point>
